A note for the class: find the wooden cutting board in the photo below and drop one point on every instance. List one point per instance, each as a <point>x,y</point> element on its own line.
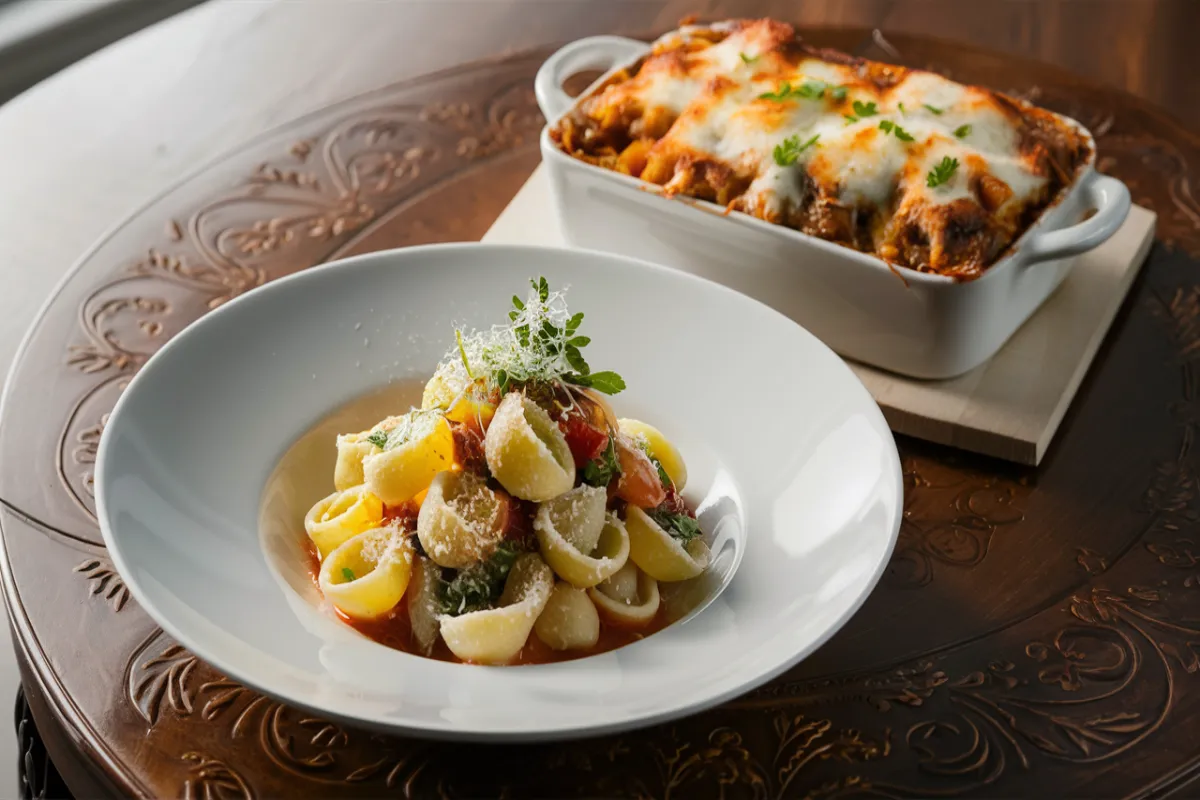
<point>1010,406</point>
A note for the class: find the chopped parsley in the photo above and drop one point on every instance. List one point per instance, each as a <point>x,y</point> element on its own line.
<point>942,172</point>
<point>748,59</point>
<point>378,438</point>
<point>890,127</point>
<point>347,574</point>
<point>864,109</point>
<point>809,90</point>
<point>935,110</point>
<point>478,586</point>
<point>901,107</point>
<point>962,131</point>
<point>787,151</point>
<point>415,425</point>
<point>681,527</point>
<point>601,471</point>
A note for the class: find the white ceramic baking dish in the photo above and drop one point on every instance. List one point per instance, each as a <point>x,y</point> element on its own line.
<point>925,326</point>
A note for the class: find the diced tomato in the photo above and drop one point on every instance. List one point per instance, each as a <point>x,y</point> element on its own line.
<point>639,484</point>
<point>585,440</point>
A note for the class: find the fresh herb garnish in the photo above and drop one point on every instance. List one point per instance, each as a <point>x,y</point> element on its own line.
<point>478,586</point>
<point>850,119</point>
<point>347,574</point>
<point>787,151</point>
<point>935,110</point>
<point>942,172</point>
<point>662,473</point>
<point>463,353</point>
<point>680,527</point>
<point>601,471</point>
<point>542,345</point>
<point>864,109</point>
<point>890,127</point>
<point>748,59</point>
<point>962,131</point>
<point>901,107</point>
<point>809,90</point>
<point>378,438</point>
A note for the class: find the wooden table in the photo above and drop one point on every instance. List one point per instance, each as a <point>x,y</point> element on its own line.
<point>1037,630</point>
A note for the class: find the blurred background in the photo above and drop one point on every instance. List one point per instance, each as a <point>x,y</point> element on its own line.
<point>40,37</point>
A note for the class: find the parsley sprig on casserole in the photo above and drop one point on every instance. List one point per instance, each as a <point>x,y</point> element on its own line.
<point>921,171</point>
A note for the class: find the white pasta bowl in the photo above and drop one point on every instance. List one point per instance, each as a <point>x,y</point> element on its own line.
<point>793,470</point>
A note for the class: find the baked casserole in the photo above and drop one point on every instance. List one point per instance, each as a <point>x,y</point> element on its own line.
<point>905,164</point>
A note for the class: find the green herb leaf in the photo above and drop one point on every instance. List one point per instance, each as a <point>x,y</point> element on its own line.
<point>601,471</point>
<point>937,111</point>
<point>579,341</point>
<point>347,574</point>
<point>378,438</point>
<point>865,109</point>
<point>891,127</point>
<point>787,151</point>
<point>662,474</point>
<point>810,90</point>
<point>901,107</point>
<point>606,382</point>
<point>518,304</point>
<point>748,59</point>
<point>838,93</point>
<point>681,527</point>
<point>574,322</point>
<point>501,378</point>
<point>962,131</point>
<point>850,119</point>
<point>942,172</point>
<point>478,586</point>
<point>543,289</point>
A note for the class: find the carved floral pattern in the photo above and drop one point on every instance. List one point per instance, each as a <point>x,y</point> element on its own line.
<point>1098,682</point>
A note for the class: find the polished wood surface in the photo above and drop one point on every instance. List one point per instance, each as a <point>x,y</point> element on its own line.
<point>1036,630</point>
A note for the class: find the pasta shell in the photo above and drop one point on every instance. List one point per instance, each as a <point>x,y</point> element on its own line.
<point>442,389</point>
<point>659,447</point>
<point>496,636</point>
<point>352,448</point>
<point>658,553</point>
<point>629,598</point>
<point>569,621</point>
<point>527,452</point>
<point>339,516</point>
<point>461,520</point>
<point>423,604</point>
<point>399,473</point>
<point>578,515</point>
<point>367,575</point>
<point>582,569</point>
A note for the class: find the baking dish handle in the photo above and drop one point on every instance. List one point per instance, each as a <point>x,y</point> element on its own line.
<point>594,52</point>
<point>1111,200</point>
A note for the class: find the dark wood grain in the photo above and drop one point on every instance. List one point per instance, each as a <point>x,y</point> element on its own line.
<point>1035,634</point>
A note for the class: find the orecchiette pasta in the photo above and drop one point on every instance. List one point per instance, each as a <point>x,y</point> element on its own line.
<point>582,569</point>
<point>461,519</point>
<point>513,517</point>
<point>341,515</point>
<point>496,635</point>
<point>365,577</point>
<point>569,621</point>
<point>629,598</point>
<point>527,452</point>
<point>352,448</point>
<point>659,554</point>
<point>412,454</point>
